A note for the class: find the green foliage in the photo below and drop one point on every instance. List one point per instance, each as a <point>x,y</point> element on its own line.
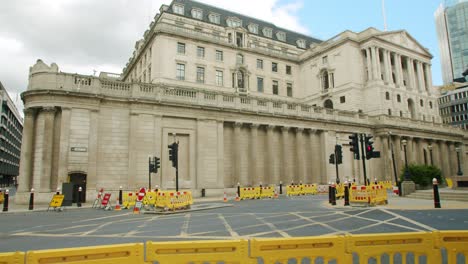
<point>423,174</point>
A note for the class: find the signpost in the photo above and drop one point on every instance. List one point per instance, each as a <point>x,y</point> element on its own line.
<point>56,202</point>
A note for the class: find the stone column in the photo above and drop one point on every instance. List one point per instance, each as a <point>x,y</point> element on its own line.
<point>325,174</point>
<point>399,70</point>
<point>399,162</point>
<point>387,67</point>
<point>272,175</point>
<point>368,64</point>
<point>220,156</point>
<point>418,159</point>
<point>313,170</point>
<point>93,175</point>
<point>237,154</point>
<point>386,157</point>
<point>65,148</point>
<point>254,177</point>
<point>375,72</point>
<point>285,177</point>
<point>410,150</point>
<point>379,68</point>
<point>132,178</point>
<point>445,159</point>
<point>422,84</point>
<point>300,160</point>
<point>452,158</point>
<point>47,145</point>
<point>25,177</point>
<point>412,78</point>
<point>427,72</point>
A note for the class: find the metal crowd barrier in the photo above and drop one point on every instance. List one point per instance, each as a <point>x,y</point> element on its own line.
<point>414,247</point>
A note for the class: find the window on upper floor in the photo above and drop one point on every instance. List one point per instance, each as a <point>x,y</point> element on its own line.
<point>301,43</point>
<point>398,98</point>
<point>280,35</point>
<point>342,99</point>
<point>325,59</point>
<point>197,13</point>
<point>421,102</point>
<point>275,87</point>
<point>240,59</point>
<point>260,84</point>
<point>259,64</point>
<point>214,18</point>
<point>274,67</point>
<point>430,104</point>
<point>387,96</point>
<point>234,22</point>
<point>327,80</point>
<point>289,89</point>
<point>178,9</point>
<point>180,48</point>
<point>240,79</point>
<point>253,28</point>
<point>389,112</point>
<point>200,75</point>
<point>239,39</point>
<point>267,32</point>
<point>180,71</point>
<point>219,78</point>
<point>219,55</point>
<point>200,52</point>
<point>288,69</point>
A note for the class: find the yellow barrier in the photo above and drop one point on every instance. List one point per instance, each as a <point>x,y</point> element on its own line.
<point>280,250</point>
<point>2,197</point>
<point>248,193</point>
<point>216,251</point>
<point>293,190</point>
<point>377,194</point>
<point>266,192</point>
<point>170,200</point>
<point>150,198</point>
<point>449,182</point>
<point>12,258</point>
<point>339,191</point>
<point>372,194</point>
<point>309,189</point>
<point>374,246</point>
<point>129,199</point>
<point>454,242</point>
<point>386,184</point>
<point>112,254</point>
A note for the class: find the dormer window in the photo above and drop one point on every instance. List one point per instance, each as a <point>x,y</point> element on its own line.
<point>267,32</point>
<point>234,22</point>
<point>178,9</point>
<point>281,36</point>
<point>197,13</point>
<point>253,28</point>
<point>214,18</point>
<point>301,43</point>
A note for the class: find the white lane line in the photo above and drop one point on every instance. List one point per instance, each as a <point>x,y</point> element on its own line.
<point>184,229</point>
<point>272,226</point>
<point>95,229</point>
<point>228,227</point>
<point>409,220</point>
<point>315,222</point>
<point>100,218</point>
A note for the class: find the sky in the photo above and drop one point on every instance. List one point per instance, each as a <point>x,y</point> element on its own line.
<point>83,36</point>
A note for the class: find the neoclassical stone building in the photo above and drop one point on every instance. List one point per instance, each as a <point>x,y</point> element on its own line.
<point>249,102</point>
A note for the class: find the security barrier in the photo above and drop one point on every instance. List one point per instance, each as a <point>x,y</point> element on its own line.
<point>293,190</point>
<point>266,192</point>
<point>248,193</point>
<point>411,247</point>
<point>386,184</point>
<point>170,200</point>
<point>309,189</point>
<point>216,251</point>
<point>339,191</point>
<point>377,194</point>
<point>129,199</point>
<point>150,198</point>
<point>2,197</point>
<point>12,258</point>
<point>301,189</point>
<point>115,254</point>
<point>371,195</point>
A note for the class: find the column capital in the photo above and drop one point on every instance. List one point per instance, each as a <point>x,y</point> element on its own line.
<point>237,124</point>
<point>312,130</point>
<point>48,109</point>
<point>299,129</point>
<point>254,125</point>
<point>30,111</point>
<point>284,128</point>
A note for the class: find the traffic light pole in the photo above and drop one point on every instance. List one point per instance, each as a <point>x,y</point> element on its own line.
<point>149,174</point>
<point>363,154</point>
<point>336,167</point>
<point>177,177</point>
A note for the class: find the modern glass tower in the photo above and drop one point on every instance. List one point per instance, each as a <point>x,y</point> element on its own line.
<point>452,31</point>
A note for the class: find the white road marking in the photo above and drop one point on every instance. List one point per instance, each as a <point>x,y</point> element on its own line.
<point>184,229</point>
<point>409,220</point>
<point>228,227</point>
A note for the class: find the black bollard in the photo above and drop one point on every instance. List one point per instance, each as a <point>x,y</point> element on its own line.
<point>281,187</point>
<point>333,196</point>
<point>260,191</point>
<point>399,188</point>
<point>120,195</point>
<point>238,189</point>
<point>346,194</point>
<point>79,197</point>
<point>31,199</point>
<point>5,202</point>
<point>375,181</point>
<point>329,193</point>
<point>57,191</point>
<point>435,186</point>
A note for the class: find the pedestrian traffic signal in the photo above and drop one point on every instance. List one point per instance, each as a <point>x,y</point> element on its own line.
<point>338,154</point>
<point>332,159</point>
<point>369,147</point>
<point>173,153</point>
<point>354,143</point>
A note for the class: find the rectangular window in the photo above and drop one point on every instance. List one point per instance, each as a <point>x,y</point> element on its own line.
<point>180,48</point>
<point>214,18</point>
<point>180,74</point>
<point>219,55</point>
<point>260,85</point>
<point>200,75</point>
<point>274,67</point>
<point>240,59</point>
<point>288,69</point>
<point>259,64</point>
<point>219,78</point>
<point>200,52</point>
<point>178,9</point>
<point>289,90</point>
<point>325,59</point>
<point>342,99</point>
<point>275,87</point>
<point>149,73</point>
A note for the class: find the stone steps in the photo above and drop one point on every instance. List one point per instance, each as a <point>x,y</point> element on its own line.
<point>452,196</point>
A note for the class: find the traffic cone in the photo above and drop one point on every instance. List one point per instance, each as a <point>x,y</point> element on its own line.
<point>117,205</point>
<point>237,197</point>
<point>225,197</point>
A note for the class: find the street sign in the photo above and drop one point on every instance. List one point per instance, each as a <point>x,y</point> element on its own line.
<point>56,201</point>
<point>141,194</point>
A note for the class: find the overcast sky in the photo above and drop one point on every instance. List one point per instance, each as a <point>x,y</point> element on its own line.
<point>86,35</point>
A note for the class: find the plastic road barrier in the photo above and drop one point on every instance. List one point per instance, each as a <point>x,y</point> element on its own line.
<point>293,190</point>
<point>266,192</point>
<point>170,200</point>
<point>248,193</point>
<point>150,198</point>
<point>309,189</point>
<point>371,195</point>
<point>12,257</point>
<point>339,191</point>
<point>129,200</point>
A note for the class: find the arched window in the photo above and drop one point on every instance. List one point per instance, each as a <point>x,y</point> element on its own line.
<point>240,79</point>
<point>328,104</point>
<point>325,81</point>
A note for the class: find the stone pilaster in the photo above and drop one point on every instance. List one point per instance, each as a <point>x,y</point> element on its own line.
<point>64,148</point>
<point>285,177</point>
<point>422,84</point>
<point>410,150</point>
<point>272,175</point>
<point>412,77</point>
<point>254,176</point>
<point>220,156</point>
<point>132,153</point>
<point>427,72</point>
<point>237,154</point>
<point>375,72</point>
<point>445,159</point>
<point>300,159</point>
<point>93,177</point>
<point>27,148</point>
<point>399,70</point>
<point>47,146</point>
<point>368,64</point>
<point>387,67</point>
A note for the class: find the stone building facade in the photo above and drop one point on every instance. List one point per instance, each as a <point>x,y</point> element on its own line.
<point>249,103</point>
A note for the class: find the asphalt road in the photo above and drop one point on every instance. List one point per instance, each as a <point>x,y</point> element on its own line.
<point>286,217</point>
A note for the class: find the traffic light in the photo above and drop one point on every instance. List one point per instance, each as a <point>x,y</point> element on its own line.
<point>157,164</point>
<point>338,154</point>
<point>369,147</point>
<point>332,159</point>
<point>173,153</point>
<point>354,143</point>
<point>151,165</point>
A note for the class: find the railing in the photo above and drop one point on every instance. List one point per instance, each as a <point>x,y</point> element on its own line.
<point>415,247</point>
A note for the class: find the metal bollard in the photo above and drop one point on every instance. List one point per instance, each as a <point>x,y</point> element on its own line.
<point>329,193</point>
<point>238,189</point>
<point>260,191</point>
<point>333,196</point>
<point>375,181</point>
<point>435,187</point>
<point>79,196</point>
<point>31,199</point>
<point>346,194</point>
<point>5,202</point>
<point>281,187</point>
<point>120,195</point>
<point>57,191</point>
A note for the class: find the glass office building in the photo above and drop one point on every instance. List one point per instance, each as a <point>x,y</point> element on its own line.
<point>452,31</point>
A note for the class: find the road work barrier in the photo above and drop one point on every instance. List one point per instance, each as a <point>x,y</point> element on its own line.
<point>129,200</point>
<point>369,195</point>
<point>386,184</point>
<point>411,247</point>
<point>170,200</point>
<point>249,193</point>
<point>301,189</point>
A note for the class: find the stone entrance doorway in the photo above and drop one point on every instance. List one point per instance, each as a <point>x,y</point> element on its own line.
<point>78,179</point>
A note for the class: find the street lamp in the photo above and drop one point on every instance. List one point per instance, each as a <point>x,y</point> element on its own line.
<point>458,150</point>
<point>397,181</point>
<point>430,153</point>
<point>407,173</point>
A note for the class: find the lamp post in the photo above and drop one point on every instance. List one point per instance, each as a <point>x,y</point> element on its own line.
<point>430,153</point>
<point>407,173</point>
<point>397,181</point>
<point>458,150</point>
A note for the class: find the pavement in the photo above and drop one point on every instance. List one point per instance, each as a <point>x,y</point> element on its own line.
<point>394,202</point>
